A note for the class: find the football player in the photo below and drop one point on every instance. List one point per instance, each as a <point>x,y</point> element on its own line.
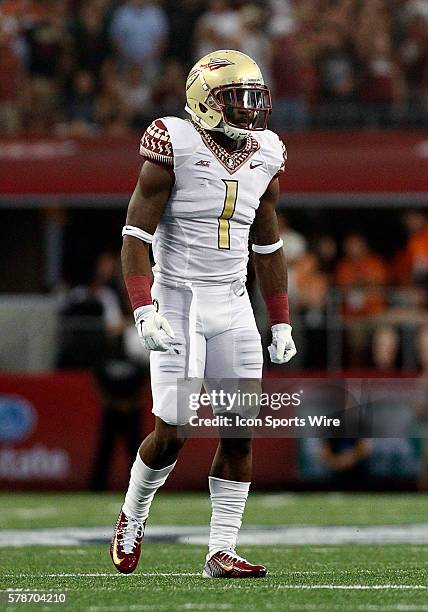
<point>205,184</point>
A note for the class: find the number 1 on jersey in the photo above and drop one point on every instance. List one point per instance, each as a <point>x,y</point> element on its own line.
<point>227,213</point>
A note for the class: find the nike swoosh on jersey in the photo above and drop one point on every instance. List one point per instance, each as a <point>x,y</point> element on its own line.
<point>253,165</point>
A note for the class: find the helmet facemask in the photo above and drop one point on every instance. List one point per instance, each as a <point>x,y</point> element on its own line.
<point>245,109</point>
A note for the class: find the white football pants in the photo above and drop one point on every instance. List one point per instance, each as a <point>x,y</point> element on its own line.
<point>219,340</point>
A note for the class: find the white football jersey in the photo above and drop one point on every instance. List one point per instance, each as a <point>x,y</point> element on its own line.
<point>203,235</point>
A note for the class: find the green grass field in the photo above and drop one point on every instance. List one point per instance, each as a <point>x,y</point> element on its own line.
<point>363,577</point>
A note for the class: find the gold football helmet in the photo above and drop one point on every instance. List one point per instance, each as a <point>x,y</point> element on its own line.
<point>225,92</point>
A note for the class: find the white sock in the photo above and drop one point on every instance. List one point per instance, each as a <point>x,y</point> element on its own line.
<point>228,499</point>
<point>143,484</point>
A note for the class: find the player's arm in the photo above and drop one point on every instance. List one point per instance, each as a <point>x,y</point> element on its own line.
<point>271,272</point>
<point>145,210</point>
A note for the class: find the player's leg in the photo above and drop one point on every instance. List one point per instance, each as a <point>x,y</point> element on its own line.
<point>154,462</point>
<point>158,452</point>
<point>233,458</point>
<point>232,356</point>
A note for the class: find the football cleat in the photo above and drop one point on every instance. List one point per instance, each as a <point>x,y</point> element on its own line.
<point>227,564</point>
<point>125,547</point>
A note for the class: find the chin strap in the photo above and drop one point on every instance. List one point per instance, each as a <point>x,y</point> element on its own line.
<point>230,132</point>
<point>222,127</point>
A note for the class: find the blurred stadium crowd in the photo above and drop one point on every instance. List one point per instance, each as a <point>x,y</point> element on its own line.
<point>382,302</point>
<point>73,67</point>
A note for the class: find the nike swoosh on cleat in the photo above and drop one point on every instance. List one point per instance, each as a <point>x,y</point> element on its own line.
<point>117,560</point>
<point>226,568</point>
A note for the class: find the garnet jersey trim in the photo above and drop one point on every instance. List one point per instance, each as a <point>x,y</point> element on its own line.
<point>156,144</point>
<point>231,161</point>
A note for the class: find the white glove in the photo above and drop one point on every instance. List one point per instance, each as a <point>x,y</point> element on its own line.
<point>154,331</point>
<point>282,348</point>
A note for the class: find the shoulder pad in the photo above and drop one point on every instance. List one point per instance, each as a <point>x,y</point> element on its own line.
<point>274,151</point>
<point>156,143</point>
<point>184,138</point>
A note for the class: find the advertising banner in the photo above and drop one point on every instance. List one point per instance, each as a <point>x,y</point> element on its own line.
<point>306,430</point>
<point>50,429</point>
<point>319,163</point>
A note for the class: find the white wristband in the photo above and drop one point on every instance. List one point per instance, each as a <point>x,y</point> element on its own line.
<point>131,230</point>
<point>265,249</point>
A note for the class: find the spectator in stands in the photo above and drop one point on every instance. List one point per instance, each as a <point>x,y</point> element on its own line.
<point>386,344</point>
<point>417,246</point>
<point>280,9</point>
<point>312,275</point>
<point>120,382</point>
<point>11,77</point>
<point>293,77</point>
<point>183,17</point>
<point>169,89</point>
<point>218,28</point>
<point>382,88</point>
<point>312,285</point>
<point>91,44</point>
<point>92,318</point>
<point>81,106</point>
<point>254,40</point>
<point>112,113</point>
<point>325,248</point>
<point>47,43</point>
<point>336,65</point>
<point>135,92</point>
<point>362,275</point>
<point>413,54</point>
<point>295,246</point>
<point>139,31</point>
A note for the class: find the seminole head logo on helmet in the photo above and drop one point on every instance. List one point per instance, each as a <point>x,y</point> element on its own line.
<point>225,92</point>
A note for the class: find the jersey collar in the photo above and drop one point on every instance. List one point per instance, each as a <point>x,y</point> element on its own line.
<point>231,161</point>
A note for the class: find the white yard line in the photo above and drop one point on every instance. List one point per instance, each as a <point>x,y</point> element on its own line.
<point>413,534</point>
